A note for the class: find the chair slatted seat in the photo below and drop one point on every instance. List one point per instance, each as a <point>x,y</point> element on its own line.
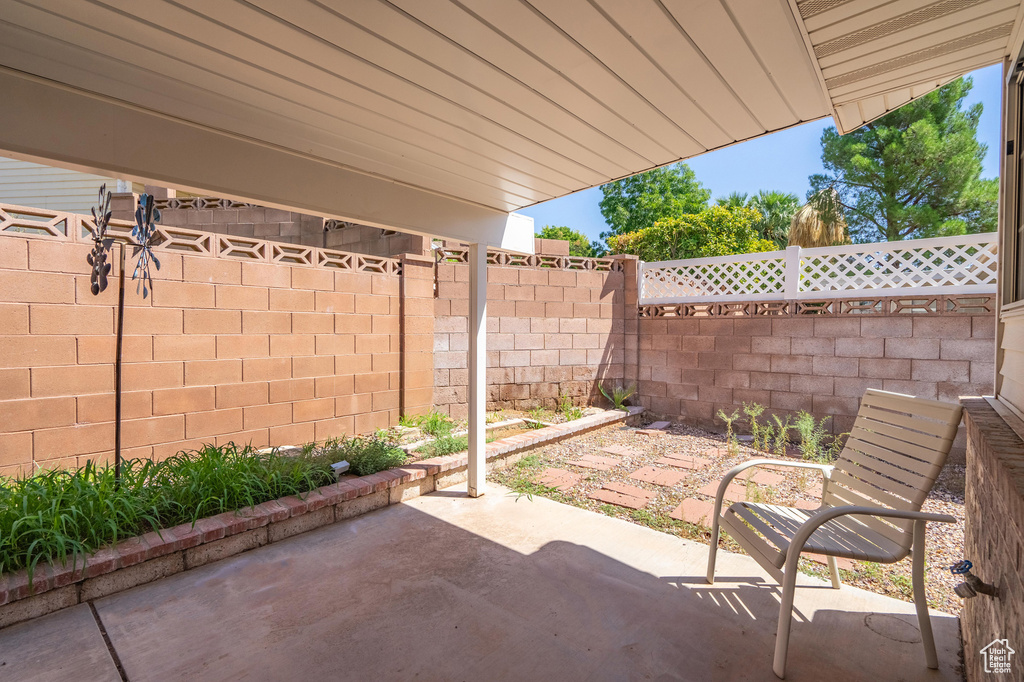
<point>871,502</point>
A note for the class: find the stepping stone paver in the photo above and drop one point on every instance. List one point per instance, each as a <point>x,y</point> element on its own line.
<point>559,479</point>
<point>684,462</point>
<point>596,462</point>
<point>717,452</point>
<point>622,495</point>
<point>699,512</point>
<point>841,562</point>
<point>659,426</point>
<point>649,432</point>
<point>620,451</point>
<point>734,492</point>
<point>658,476</point>
<point>806,504</point>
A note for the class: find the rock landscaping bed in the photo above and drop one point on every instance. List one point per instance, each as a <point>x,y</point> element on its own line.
<point>666,476</point>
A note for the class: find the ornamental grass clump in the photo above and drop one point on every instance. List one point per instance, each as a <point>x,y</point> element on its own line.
<point>59,516</point>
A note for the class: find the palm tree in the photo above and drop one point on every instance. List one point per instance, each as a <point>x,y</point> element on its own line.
<point>734,200</point>
<point>819,222</point>
<point>777,210</point>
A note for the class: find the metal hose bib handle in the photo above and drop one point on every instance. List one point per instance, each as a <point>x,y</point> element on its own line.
<point>972,585</point>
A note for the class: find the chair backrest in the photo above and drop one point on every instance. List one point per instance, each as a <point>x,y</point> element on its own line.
<point>895,451</point>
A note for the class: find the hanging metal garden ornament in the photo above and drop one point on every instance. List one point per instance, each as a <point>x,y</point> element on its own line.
<point>101,244</point>
<point>146,215</point>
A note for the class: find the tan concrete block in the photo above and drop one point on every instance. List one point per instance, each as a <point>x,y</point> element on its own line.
<point>266,275</point>
<point>153,321</point>
<point>212,372</point>
<point>183,400</point>
<point>313,366</point>
<point>183,295</point>
<point>212,423</point>
<point>242,298</point>
<point>373,305</point>
<point>265,416</point>
<point>152,430</point>
<point>361,505</point>
<point>71,380</point>
<point>185,347</point>
<point>14,319</point>
<point>942,327</point>
<point>770,345</point>
<point>291,390</point>
<point>36,350</point>
<point>38,605</point>
<point>292,345</point>
<point>974,349</point>
<point>311,410</point>
<point>56,319</point>
<point>132,576</point>
<point>241,346</point>
<point>99,407</point>
<point>263,322</point>
<point>916,348</point>
<point>837,367</point>
<point>860,348</point>
<point>312,278</point>
<point>266,369</point>
<point>24,286</point>
<point>885,368</point>
<point>221,549</point>
<point>886,327</point>
<point>36,413</point>
<point>242,395</point>
<point>15,383</point>
<point>793,364</point>
<point>14,254</point>
<point>15,451</point>
<point>212,322</point>
<point>151,375</point>
<point>312,323</point>
<point>292,300</point>
<point>203,269</point>
<point>68,441</point>
<point>940,370</point>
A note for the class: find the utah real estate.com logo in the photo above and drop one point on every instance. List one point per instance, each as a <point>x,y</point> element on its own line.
<point>997,656</point>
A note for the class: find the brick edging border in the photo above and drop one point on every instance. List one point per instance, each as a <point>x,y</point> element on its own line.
<point>145,558</point>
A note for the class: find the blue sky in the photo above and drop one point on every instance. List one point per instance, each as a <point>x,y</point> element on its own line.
<point>781,161</point>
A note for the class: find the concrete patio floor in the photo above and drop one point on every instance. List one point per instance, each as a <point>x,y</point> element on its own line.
<point>449,588</point>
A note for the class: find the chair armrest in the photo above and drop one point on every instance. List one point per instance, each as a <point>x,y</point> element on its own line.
<point>825,469</point>
<point>812,524</point>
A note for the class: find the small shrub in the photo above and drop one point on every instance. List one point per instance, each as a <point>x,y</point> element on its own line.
<point>568,410</point>
<point>369,454</point>
<point>444,445</point>
<point>618,395</point>
<point>781,439</point>
<point>753,411</point>
<point>815,443</point>
<point>408,421</point>
<point>494,417</point>
<point>436,424</point>
<point>730,437</point>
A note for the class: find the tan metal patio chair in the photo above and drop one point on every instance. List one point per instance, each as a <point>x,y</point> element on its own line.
<point>871,502</point>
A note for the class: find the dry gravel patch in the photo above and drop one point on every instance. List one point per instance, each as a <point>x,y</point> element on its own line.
<point>638,450</point>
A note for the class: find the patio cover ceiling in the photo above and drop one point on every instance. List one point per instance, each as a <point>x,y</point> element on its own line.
<point>443,116</point>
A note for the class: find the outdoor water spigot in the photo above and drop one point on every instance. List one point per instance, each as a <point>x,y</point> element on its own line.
<point>972,584</point>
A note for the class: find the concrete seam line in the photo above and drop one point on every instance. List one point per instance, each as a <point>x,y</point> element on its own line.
<point>110,645</point>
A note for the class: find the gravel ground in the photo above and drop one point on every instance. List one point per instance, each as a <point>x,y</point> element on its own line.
<point>944,543</point>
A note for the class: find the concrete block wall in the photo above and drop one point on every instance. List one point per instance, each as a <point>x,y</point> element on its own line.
<point>994,535</point>
<point>224,349</point>
<point>690,368</point>
<point>373,240</point>
<point>551,332</point>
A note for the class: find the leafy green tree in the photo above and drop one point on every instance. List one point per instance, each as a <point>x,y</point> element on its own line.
<point>579,243</point>
<point>913,173</point>
<point>715,231</point>
<point>639,201</point>
<point>777,210</point>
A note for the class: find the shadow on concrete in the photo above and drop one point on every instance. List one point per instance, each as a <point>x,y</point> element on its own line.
<point>457,589</point>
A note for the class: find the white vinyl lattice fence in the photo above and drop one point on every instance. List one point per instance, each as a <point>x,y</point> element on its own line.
<point>947,265</point>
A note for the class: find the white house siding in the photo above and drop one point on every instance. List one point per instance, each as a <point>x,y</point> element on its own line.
<point>30,184</point>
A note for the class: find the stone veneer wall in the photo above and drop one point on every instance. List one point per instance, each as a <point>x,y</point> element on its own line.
<point>240,340</point>
<point>994,535</point>
<point>690,367</point>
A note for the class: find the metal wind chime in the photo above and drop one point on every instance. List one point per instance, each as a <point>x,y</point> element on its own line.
<point>141,242</point>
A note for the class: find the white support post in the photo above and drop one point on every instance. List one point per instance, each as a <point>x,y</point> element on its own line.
<point>792,272</point>
<point>477,368</point>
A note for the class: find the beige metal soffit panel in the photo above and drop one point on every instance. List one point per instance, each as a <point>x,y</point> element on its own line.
<point>47,122</point>
<point>874,56</point>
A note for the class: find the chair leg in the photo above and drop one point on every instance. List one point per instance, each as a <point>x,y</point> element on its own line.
<point>833,570</point>
<point>785,621</point>
<point>921,599</point>
<point>713,545</point>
